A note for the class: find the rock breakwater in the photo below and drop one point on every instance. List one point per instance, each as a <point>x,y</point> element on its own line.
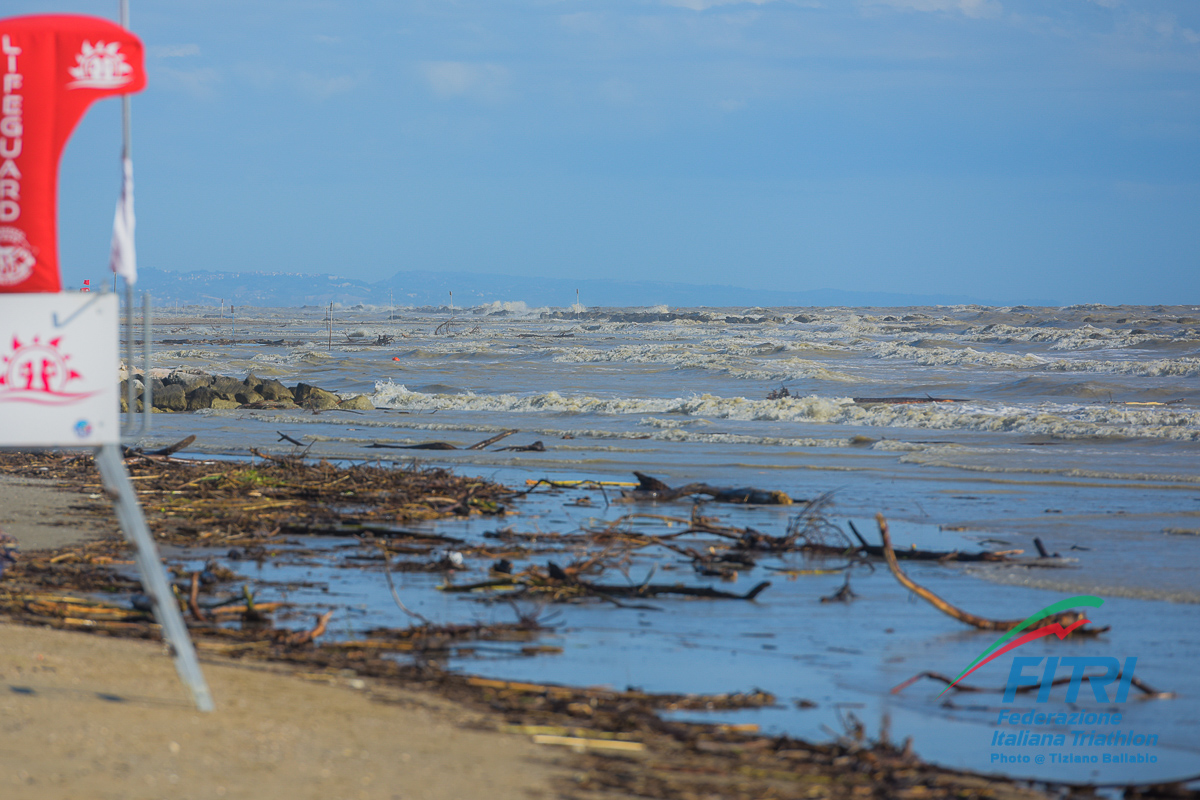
<point>194,390</point>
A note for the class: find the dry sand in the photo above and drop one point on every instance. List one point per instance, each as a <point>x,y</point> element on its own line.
<point>86,716</point>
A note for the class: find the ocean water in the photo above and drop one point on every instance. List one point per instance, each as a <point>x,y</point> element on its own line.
<point>1077,425</point>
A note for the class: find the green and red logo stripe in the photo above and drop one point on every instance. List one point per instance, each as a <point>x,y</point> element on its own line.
<point>1005,643</point>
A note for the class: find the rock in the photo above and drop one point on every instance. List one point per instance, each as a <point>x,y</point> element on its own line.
<point>221,402</point>
<point>274,390</point>
<point>360,402</point>
<point>156,384</point>
<point>172,398</point>
<point>188,379</point>
<point>125,405</point>
<point>248,396</point>
<point>227,387</point>
<point>314,397</point>
<point>252,381</point>
<point>319,399</point>
<point>200,397</point>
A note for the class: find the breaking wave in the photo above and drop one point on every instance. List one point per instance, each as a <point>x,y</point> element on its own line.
<point>734,362</point>
<point>945,356</point>
<point>1063,421</point>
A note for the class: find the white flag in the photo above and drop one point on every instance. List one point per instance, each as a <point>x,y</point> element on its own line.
<point>123,258</point>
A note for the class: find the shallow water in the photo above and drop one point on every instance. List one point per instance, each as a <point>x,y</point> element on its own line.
<point>1046,444</point>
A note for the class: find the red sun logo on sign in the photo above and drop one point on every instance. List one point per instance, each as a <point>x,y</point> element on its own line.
<point>38,372</point>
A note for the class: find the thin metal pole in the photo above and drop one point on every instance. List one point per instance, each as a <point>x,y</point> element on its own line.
<point>129,395</point>
<point>126,152</point>
<point>127,146</point>
<point>154,579</point>
<point>147,381</point>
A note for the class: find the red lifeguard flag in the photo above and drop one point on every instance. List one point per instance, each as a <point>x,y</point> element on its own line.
<point>52,67</point>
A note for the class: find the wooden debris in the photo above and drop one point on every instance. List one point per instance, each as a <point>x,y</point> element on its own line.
<point>1065,618</point>
<point>491,441</point>
<point>914,554</point>
<point>535,447</point>
<point>194,599</point>
<point>557,583</point>
<point>651,488</point>
<point>421,446</point>
<point>175,448</point>
<point>304,637</point>
<point>1148,692</point>
<point>581,744</point>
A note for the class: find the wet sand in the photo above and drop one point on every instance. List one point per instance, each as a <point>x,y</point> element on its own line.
<point>42,515</point>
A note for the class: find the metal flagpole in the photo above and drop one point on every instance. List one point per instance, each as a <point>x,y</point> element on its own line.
<point>116,479</point>
<point>126,153</point>
<point>154,579</point>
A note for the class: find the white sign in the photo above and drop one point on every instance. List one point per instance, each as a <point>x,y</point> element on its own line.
<point>58,370</point>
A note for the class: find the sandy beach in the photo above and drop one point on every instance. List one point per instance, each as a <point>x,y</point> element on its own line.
<point>89,716</point>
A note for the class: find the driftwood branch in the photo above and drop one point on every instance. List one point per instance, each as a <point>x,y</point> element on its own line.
<point>304,637</point>
<point>283,437</point>
<point>157,455</point>
<point>655,589</point>
<point>1065,618</point>
<point>421,446</point>
<point>651,488</point>
<point>387,572</point>
<point>493,440</point>
<point>913,554</point>
<point>194,599</point>
<point>536,447</point>
<point>288,460</point>
<point>1150,692</point>
<point>175,448</point>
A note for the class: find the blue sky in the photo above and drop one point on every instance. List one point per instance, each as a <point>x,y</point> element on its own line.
<point>1009,150</point>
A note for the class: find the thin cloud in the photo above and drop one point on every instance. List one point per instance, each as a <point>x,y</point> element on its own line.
<point>199,83</point>
<point>462,79</point>
<point>969,8</point>
<point>703,5</point>
<point>1165,26</point>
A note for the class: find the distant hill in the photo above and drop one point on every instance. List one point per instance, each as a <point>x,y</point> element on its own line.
<point>471,289</point>
<point>252,288</point>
